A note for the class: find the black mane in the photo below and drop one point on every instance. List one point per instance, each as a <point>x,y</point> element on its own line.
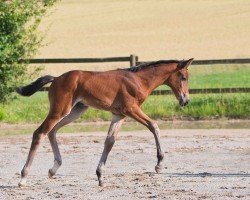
<point>148,64</point>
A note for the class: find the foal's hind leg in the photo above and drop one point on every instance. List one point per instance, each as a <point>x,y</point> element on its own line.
<point>109,142</point>
<point>75,113</point>
<point>52,119</point>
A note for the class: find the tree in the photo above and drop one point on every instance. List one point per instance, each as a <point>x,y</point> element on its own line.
<point>20,39</point>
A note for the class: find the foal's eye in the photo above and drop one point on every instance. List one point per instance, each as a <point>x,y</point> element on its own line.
<point>183,78</point>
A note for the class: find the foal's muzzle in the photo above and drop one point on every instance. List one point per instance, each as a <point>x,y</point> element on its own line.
<point>183,100</point>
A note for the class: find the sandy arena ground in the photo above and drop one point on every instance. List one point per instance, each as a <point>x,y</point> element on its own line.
<point>199,164</point>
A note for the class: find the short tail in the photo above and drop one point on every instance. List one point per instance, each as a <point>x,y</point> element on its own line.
<point>32,88</point>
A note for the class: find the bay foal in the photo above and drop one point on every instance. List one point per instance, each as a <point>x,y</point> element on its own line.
<point>120,91</point>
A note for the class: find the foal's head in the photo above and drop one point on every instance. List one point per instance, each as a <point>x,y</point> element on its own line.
<point>178,81</point>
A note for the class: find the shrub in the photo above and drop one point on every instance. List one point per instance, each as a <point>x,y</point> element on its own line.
<point>19,40</point>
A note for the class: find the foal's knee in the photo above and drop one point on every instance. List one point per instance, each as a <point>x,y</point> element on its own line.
<point>110,141</point>
<point>37,136</point>
<point>153,127</point>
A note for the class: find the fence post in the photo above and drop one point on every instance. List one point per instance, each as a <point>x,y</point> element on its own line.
<point>136,60</point>
<point>133,60</point>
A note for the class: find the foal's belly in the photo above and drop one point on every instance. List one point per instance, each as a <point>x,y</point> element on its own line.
<point>96,103</point>
<point>113,106</point>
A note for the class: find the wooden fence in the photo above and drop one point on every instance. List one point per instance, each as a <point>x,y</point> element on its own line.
<point>134,60</point>
<point>216,62</point>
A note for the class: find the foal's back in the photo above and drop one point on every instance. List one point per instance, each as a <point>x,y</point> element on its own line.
<point>103,90</point>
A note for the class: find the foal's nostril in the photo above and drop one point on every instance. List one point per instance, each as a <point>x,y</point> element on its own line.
<point>184,102</point>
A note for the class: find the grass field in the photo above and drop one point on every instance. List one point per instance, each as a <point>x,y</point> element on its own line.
<point>218,76</point>
<point>35,108</point>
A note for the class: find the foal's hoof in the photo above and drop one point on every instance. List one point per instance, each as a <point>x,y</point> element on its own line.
<point>50,173</point>
<point>22,183</point>
<point>101,184</point>
<point>158,168</point>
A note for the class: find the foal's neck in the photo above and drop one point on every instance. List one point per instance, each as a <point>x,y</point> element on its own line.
<point>154,76</point>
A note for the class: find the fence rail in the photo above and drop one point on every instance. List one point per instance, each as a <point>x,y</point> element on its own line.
<point>216,61</point>
<point>195,91</point>
<point>222,61</point>
<point>134,60</point>
<point>205,91</point>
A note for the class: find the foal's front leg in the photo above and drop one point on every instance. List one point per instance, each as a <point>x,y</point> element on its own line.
<point>137,114</point>
<point>109,142</point>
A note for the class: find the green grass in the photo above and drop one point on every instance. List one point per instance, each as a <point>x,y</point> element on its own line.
<point>218,76</point>
<point>205,106</point>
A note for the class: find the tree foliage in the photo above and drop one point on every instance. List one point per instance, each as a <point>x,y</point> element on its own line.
<point>19,40</point>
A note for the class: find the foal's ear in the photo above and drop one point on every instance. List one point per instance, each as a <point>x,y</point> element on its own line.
<point>185,63</point>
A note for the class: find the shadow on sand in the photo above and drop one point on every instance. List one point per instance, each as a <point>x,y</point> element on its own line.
<point>8,187</point>
<point>206,174</point>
